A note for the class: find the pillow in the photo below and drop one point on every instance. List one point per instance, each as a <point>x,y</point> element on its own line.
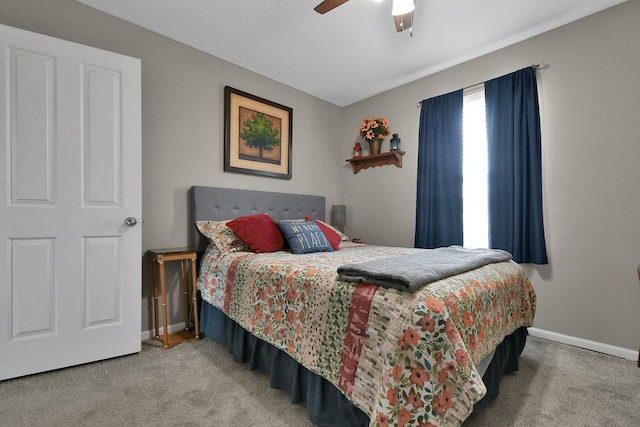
<point>259,232</point>
<point>222,237</point>
<point>343,237</point>
<point>304,237</point>
<point>331,235</point>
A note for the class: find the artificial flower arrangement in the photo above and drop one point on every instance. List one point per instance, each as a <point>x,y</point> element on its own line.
<point>374,129</point>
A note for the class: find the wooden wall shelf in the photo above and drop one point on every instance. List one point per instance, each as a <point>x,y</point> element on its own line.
<point>388,158</point>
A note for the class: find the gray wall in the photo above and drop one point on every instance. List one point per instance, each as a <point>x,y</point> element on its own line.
<point>589,98</point>
<point>590,117</point>
<point>182,123</point>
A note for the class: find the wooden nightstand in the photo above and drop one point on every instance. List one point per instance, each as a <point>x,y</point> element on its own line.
<point>158,258</point>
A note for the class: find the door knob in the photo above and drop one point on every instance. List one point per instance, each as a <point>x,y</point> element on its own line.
<point>131,221</point>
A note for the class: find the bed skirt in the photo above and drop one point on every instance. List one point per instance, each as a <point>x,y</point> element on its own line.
<point>326,405</point>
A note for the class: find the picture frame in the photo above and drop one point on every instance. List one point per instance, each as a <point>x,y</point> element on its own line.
<point>257,135</point>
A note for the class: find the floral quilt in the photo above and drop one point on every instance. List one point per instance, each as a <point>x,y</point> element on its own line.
<point>404,358</point>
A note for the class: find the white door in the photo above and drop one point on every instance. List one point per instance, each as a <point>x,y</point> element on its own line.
<point>70,160</point>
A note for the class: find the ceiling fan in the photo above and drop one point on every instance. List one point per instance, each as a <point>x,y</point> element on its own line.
<point>401,10</point>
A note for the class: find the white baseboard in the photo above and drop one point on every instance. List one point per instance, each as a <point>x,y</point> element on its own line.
<point>586,344</point>
<point>147,335</point>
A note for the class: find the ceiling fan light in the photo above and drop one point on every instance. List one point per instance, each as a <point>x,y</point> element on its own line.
<point>400,7</point>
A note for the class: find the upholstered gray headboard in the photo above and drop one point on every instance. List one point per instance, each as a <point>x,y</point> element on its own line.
<point>212,203</point>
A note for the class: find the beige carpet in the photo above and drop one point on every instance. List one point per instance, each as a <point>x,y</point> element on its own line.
<point>198,384</point>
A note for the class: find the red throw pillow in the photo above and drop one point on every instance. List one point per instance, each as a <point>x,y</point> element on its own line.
<point>260,232</point>
<point>333,237</point>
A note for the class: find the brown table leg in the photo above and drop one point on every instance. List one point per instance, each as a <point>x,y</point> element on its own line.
<point>185,280</point>
<point>196,332</point>
<point>163,291</point>
<point>154,267</point>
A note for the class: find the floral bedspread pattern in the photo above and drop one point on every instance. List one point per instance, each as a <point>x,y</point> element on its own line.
<point>403,358</point>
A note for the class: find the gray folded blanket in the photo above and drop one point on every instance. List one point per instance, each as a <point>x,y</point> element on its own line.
<point>411,272</point>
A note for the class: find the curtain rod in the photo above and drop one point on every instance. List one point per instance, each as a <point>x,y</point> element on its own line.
<point>534,66</point>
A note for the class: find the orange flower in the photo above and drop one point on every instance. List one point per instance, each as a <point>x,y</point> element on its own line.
<point>292,294</point>
<point>419,376</point>
<point>415,400</point>
<point>466,318</point>
<point>443,402</point>
<point>427,323</point>
<point>451,331</point>
<point>273,269</point>
<point>397,371</point>
<point>462,357</point>
<point>453,307</point>
<point>278,315</point>
<point>404,416</point>
<point>450,368</point>
<point>442,376</point>
<point>382,420</point>
<point>481,334</point>
<point>434,304</point>
<point>372,129</point>
<point>446,400</point>
<point>472,343</point>
<point>409,337</point>
<point>392,396</point>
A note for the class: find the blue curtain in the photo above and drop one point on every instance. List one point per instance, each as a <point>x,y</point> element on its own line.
<point>515,166</point>
<point>439,193</point>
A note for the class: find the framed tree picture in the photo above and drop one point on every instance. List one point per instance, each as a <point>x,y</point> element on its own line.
<point>257,135</point>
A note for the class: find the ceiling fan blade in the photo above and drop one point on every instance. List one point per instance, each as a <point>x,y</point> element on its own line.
<point>328,5</point>
<point>403,22</point>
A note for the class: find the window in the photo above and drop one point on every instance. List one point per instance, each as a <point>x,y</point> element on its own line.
<point>478,206</point>
<point>475,170</point>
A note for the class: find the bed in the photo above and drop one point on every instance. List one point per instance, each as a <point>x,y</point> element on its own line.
<point>356,353</point>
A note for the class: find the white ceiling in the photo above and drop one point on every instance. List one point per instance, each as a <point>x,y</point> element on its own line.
<point>353,51</point>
